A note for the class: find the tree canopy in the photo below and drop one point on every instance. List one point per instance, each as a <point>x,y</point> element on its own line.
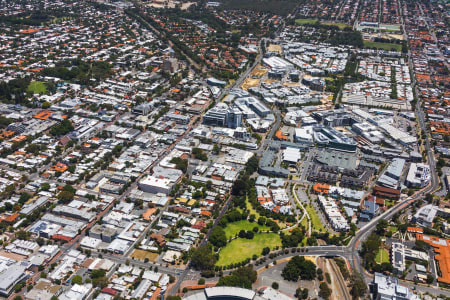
<point>242,277</point>
<point>299,267</point>
<point>203,258</point>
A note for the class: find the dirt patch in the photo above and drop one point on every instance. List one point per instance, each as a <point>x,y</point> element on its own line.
<point>12,255</point>
<point>249,82</point>
<point>275,48</point>
<point>259,72</point>
<point>142,255</point>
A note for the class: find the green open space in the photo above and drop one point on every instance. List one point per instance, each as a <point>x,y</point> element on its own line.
<point>253,211</point>
<point>304,222</point>
<point>393,229</point>
<point>250,208</point>
<point>305,21</point>
<point>382,46</point>
<point>37,87</point>
<point>382,256</point>
<point>233,228</point>
<point>340,25</point>
<point>389,203</point>
<point>241,249</point>
<point>315,221</point>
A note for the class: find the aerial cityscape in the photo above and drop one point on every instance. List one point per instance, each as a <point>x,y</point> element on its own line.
<point>224,149</point>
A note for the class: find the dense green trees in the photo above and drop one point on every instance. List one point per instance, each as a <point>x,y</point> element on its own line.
<point>66,195</point>
<point>181,164</point>
<point>279,7</point>
<point>351,38</point>
<point>218,237</point>
<point>324,290</point>
<point>299,267</point>
<point>369,249</point>
<point>203,258</point>
<point>293,239</point>
<point>242,277</point>
<point>199,154</point>
<point>358,285</point>
<point>4,122</point>
<point>14,91</point>
<point>302,293</point>
<point>79,71</point>
<point>62,128</point>
<point>77,279</point>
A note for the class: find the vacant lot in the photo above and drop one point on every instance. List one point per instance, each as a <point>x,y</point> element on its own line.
<point>274,48</point>
<point>240,249</point>
<point>259,71</point>
<point>249,82</point>
<point>142,255</point>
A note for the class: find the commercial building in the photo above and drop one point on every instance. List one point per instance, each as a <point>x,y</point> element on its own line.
<point>400,252</point>
<point>391,176</point>
<point>223,292</point>
<point>43,290</point>
<point>156,185</point>
<point>398,257</point>
<point>11,276</point>
<point>386,192</point>
<point>222,115</point>
<point>331,138</point>
<point>291,155</point>
<point>103,232</point>
<point>304,135</point>
<point>215,82</point>
<point>341,160</point>
<point>386,287</point>
<point>419,175</point>
<point>265,163</point>
<point>426,214</point>
<point>369,210</point>
<point>142,109</point>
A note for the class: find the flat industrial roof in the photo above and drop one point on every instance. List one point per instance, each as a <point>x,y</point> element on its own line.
<point>234,292</point>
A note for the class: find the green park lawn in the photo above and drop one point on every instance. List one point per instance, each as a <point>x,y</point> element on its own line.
<point>315,221</point>
<point>382,256</point>
<point>241,249</point>
<point>251,209</point>
<point>341,26</point>
<point>383,46</point>
<point>37,87</point>
<point>305,21</point>
<point>233,228</point>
